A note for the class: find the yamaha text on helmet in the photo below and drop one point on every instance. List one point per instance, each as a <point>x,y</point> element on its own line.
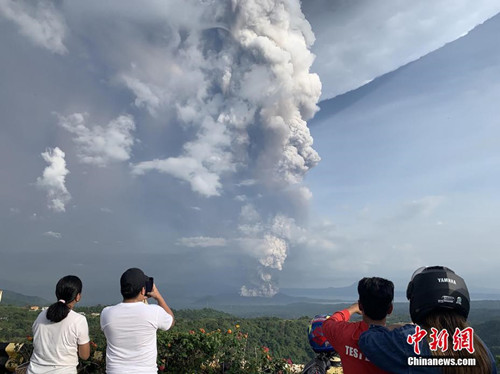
<point>437,287</point>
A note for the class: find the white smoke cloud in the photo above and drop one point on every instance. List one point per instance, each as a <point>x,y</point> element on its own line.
<point>202,241</point>
<point>273,252</point>
<point>54,178</point>
<point>268,241</point>
<point>305,193</point>
<point>185,168</point>
<point>39,20</point>
<point>245,99</point>
<point>100,145</point>
<point>265,287</point>
<point>52,234</point>
<point>145,94</point>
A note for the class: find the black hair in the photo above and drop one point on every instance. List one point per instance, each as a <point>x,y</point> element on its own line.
<point>66,290</point>
<point>130,292</point>
<point>375,296</point>
<point>132,282</point>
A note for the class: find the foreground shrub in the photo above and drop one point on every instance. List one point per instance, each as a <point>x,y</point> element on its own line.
<point>215,352</point>
<point>194,352</point>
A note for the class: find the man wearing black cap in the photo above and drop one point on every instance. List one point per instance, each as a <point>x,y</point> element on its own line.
<point>130,327</point>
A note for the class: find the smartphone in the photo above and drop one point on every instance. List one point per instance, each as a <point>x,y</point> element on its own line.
<point>149,285</point>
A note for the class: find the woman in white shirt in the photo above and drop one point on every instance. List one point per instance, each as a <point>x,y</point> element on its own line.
<point>60,335</point>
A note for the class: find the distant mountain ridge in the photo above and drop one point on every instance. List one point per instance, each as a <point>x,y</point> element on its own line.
<point>286,296</point>
<point>236,299</point>
<point>328,293</point>
<point>17,299</point>
<point>351,293</point>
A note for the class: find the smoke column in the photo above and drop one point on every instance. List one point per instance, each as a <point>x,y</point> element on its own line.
<point>247,95</point>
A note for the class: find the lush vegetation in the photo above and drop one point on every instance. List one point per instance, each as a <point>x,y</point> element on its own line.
<point>15,323</point>
<point>202,341</point>
<point>209,341</point>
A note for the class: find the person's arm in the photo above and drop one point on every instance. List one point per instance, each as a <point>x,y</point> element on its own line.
<point>84,351</point>
<point>345,314</point>
<point>387,349</point>
<point>155,294</point>
<point>353,309</point>
<point>333,327</point>
<point>83,339</point>
<point>396,325</point>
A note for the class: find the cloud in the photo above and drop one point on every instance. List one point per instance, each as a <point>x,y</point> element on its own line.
<point>54,178</point>
<point>268,241</point>
<point>357,41</point>
<point>246,95</point>
<point>185,168</point>
<point>242,105</point>
<point>273,252</point>
<point>39,21</point>
<point>145,95</point>
<point>264,286</point>
<point>100,145</point>
<point>52,234</point>
<point>202,241</point>
<point>305,193</point>
<point>423,207</point>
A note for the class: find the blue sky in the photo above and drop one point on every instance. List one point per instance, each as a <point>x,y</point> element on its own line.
<point>410,164</point>
<point>172,136</point>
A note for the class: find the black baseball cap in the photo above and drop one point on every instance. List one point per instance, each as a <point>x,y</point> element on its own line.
<point>132,281</point>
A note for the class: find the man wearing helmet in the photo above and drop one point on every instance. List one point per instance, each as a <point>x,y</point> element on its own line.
<point>375,303</point>
<point>439,305</point>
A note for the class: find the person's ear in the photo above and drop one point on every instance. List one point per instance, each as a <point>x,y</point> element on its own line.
<point>78,297</point>
<point>389,311</point>
<point>143,291</point>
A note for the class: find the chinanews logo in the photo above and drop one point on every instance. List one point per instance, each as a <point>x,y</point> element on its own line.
<point>461,339</point>
<point>447,280</point>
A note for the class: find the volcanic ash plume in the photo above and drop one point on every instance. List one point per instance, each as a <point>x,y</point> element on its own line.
<point>245,96</point>
<point>268,242</point>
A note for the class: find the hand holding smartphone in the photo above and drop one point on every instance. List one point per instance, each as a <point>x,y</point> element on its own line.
<point>149,285</point>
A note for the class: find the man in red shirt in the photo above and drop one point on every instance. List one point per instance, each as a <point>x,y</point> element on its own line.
<point>374,304</point>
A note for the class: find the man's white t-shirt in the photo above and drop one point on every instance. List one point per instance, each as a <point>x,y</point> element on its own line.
<point>130,330</point>
<point>55,344</point>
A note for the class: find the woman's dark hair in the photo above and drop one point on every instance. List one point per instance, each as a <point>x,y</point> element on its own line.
<point>66,290</point>
<point>451,320</point>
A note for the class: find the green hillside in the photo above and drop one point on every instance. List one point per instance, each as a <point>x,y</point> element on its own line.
<point>17,299</point>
